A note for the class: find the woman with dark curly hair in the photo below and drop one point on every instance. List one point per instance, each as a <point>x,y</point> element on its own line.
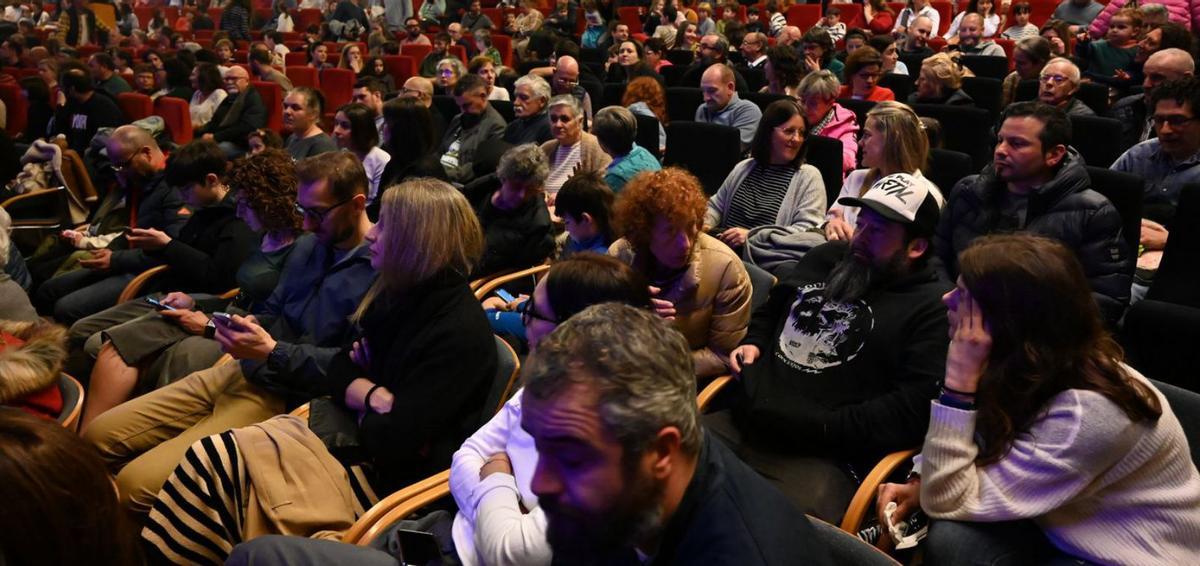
<point>263,139</point>
<point>645,96</point>
<point>697,281</point>
<point>173,343</point>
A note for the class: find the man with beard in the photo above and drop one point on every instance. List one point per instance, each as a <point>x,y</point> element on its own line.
<point>625,473</point>
<point>713,49</point>
<point>838,367</point>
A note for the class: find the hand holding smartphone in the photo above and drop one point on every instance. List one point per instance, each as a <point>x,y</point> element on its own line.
<point>159,305</point>
<point>225,320</point>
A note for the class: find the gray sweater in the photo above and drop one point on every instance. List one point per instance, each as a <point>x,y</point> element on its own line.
<point>1101,487</point>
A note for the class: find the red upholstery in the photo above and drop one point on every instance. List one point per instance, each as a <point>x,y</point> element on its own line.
<point>295,58</point>
<point>400,67</point>
<point>215,15</point>
<point>16,105</point>
<point>417,52</point>
<point>338,87</point>
<point>272,97</point>
<point>303,76</point>
<point>177,115</point>
<point>503,44</point>
<point>803,16</point>
<point>1008,46</point>
<point>945,10</point>
<point>852,15</point>
<point>145,14</point>
<point>629,16</point>
<point>459,51</point>
<point>135,106</point>
<point>307,17</point>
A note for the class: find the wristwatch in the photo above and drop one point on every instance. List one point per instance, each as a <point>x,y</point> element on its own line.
<point>210,329</point>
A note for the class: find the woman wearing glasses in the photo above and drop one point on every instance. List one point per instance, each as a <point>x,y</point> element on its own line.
<point>572,149</point>
<point>768,203</point>
<point>163,346</point>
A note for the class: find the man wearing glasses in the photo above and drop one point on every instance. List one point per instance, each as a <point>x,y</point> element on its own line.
<point>1038,184</point>
<point>713,49</point>
<point>1169,161</point>
<point>754,50</point>
<point>145,203</point>
<point>239,114</point>
<point>1059,83</point>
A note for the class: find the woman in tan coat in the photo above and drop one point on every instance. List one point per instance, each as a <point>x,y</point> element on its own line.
<point>572,149</point>
<point>696,280</point>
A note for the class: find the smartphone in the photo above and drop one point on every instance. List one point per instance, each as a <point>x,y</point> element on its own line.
<point>158,305</point>
<point>508,298</point>
<point>418,548</point>
<point>224,319</point>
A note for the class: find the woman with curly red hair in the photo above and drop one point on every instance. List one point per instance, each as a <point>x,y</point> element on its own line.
<point>696,280</point>
<point>646,96</point>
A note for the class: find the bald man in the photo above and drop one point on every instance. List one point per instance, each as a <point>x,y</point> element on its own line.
<point>239,114</point>
<point>789,35</point>
<point>971,41</point>
<point>1059,82</point>
<point>140,165</point>
<point>421,89</point>
<point>722,105</point>
<point>1165,65</point>
<point>565,80</point>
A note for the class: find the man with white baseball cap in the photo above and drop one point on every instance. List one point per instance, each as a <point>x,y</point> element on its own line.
<point>839,365</point>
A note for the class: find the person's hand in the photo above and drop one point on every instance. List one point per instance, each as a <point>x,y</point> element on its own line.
<point>1057,45</point>
<point>381,401</point>
<point>734,237</point>
<point>191,321</point>
<point>838,229</point>
<point>245,339</point>
<point>494,303</point>
<point>662,307</point>
<point>179,300</point>
<point>148,238</point>
<point>908,499</point>
<point>970,344</point>
<point>101,260</point>
<point>1082,37</point>
<point>360,354</point>
<point>497,463</point>
<point>743,356</point>
<point>1121,75</point>
<point>207,137</point>
<point>1154,235</point>
<point>72,237</point>
<point>812,64</point>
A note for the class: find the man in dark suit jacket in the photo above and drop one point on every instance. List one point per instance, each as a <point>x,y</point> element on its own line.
<point>239,114</point>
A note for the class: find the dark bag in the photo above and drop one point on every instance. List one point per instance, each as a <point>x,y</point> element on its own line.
<point>338,430</point>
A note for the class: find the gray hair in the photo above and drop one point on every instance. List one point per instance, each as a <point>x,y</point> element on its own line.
<point>640,365</point>
<point>616,128</point>
<point>1154,10</point>
<point>459,68</point>
<point>538,85</point>
<point>568,100</point>
<point>526,163</point>
<point>1072,72</point>
<point>820,83</point>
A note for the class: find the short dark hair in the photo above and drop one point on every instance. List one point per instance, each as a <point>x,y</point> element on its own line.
<point>144,68</point>
<point>372,84</point>
<point>208,76</point>
<point>862,58</point>
<point>776,114</point>
<point>261,56</point>
<point>36,89</point>
<point>177,72</point>
<point>856,32</point>
<point>341,169</point>
<point>275,36</point>
<point>1184,90</point>
<point>77,80</point>
<point>314,101</point>
<point>444,38</point>
<point>363,133</point>
<point>104,60</point>
<point>468,83</point>
<point>616,129</point>
<point>1056,128</point>
<point>587,279</point>
<point>195,161</point>
<point>586,192</point>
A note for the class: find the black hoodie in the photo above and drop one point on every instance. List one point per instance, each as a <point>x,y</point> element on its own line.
<point>847,380</point>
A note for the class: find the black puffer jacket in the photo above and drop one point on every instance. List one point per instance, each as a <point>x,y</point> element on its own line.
<point>1065,209</point>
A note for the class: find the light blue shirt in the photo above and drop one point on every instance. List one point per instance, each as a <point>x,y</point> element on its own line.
<point>741,114</point>
<point>1163,176</point>
<point>626,167</point>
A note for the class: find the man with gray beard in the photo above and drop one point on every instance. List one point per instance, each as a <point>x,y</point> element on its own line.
<point>839,366</point>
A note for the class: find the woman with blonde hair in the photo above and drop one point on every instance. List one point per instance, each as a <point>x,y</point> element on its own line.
<point>352,58</point>
<point>940,82</point>
<point>893,141</point>
<point>414,383</point>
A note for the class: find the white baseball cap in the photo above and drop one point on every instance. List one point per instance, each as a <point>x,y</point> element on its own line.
<point>902,198</point>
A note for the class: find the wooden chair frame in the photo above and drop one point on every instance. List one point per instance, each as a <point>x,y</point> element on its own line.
<point>71,422</point>
<point>133,289</point>
<point>486,288</point>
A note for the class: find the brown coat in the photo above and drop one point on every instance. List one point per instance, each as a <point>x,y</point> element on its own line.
<point>591,157</point>
<point>712,301</point>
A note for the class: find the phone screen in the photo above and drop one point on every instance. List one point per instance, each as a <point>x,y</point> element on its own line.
<point>419,548</point>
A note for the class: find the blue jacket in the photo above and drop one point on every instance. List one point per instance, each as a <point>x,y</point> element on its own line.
<point>309,316</point>
<point>624,168</point>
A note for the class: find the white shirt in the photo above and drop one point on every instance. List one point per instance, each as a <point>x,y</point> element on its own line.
<point>279,55</point>
<point>202,109</point>
<point>498,93</point>
<point>374,163</point>
<point>906,17</point>
<point>284,23</point>
<point>490,527</point>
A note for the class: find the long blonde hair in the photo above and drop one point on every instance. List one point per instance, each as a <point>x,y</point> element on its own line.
<point>904,137</point>
<point>427,226</point>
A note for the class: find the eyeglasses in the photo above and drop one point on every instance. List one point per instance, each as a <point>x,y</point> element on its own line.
<point>1173,121</point>
<point>120,166</point>
<point>318,214</point>
<point>528,313</point>
<point>560,118</point>
<point>1054,79</point>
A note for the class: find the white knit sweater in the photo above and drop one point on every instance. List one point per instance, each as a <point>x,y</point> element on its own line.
<point>1101,487</point>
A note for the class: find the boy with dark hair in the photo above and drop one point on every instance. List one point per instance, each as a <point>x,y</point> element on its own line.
<point>585,203</point>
